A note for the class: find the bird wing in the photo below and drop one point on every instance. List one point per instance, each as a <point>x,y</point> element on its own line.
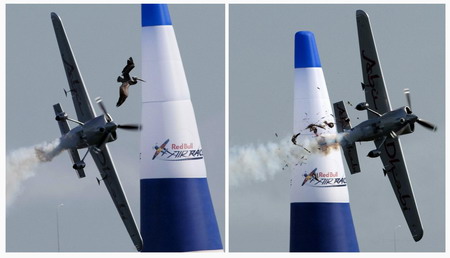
<point>123,93</point>
<point>127,69</point>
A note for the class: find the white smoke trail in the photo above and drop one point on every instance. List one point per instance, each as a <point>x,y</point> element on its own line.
<point>264,161</point>
<point>21,165</point>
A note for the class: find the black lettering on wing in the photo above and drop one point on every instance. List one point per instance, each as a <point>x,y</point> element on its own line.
<point>72,82</point>
<point>371,78</point>
<point>395,170</point>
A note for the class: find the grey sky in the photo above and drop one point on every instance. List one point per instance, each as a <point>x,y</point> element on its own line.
<point>102,38</point>
<point>410,41</point>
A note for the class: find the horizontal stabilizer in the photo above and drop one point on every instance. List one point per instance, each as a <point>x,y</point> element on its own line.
<point>63,125</point>
<point>65,128</point>
<point>342,125</point>
<point>342,120</point>
<point>351,156</point>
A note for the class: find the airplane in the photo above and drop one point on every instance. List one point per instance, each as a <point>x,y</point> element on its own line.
<point>384,126</point>
<point>160,149</point>
<point>312,175</point>
<point>91,133</point>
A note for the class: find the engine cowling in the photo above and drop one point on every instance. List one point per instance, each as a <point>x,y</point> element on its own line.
<point>407,129</point>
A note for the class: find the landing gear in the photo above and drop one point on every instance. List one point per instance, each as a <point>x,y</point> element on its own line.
<point>63,116</point>
<point>374,154</point>
<point>79,165</point>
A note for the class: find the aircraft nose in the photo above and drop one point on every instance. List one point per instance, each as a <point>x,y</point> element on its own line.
<point>412,118</point>
<point>111,126</point>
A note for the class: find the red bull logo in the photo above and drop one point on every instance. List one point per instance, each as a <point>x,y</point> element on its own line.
<point>328,174</point>
<point>177,151</point>
<point>323,179</point>
<point>183,146</point>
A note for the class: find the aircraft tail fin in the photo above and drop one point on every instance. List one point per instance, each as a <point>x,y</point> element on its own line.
<point>342,125</point>
<point>65,128</point>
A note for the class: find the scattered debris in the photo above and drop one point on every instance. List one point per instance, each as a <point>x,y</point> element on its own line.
<point>305,149</point>
<point>329,124</point>
<point>313,128</point>
<point>294,138</point>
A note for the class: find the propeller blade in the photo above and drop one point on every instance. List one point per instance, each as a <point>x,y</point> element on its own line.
<point>408,97</point>
<point>103,108</point>
<point>393,134</point>
<point>102,143</point>
<point>130,126</point>
<point>426,124</point>
<point>400,132</point>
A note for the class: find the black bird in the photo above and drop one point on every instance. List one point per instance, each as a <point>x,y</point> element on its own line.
<point>126,81</point>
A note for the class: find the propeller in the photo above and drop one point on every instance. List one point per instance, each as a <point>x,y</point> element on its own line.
<point>408,97</point>
<point>421,122</point>
<point>109,118</point>
<point>426,124</point>
<point>130,127</point>
<point>103,108</point>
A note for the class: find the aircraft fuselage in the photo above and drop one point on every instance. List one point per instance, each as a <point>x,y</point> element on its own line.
<point>92,133</point>
<point>396,122</point>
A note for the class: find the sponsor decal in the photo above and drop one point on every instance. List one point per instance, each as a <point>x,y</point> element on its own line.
<point>371,75</point>
<point>177,151</point>
<point>323,179</point>
<point>396,171</point>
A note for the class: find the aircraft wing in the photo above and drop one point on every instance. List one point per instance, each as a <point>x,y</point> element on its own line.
<point>108,173</point>
<point>373,85</point>
<point>80,97</point>
<point>395,169</point>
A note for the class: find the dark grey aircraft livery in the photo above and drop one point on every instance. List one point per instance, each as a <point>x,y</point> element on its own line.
<point>383,126</point>
<point>91,133</point>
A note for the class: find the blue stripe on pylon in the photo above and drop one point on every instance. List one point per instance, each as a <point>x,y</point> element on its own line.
<point>322,227</point>
<point>177,215</point>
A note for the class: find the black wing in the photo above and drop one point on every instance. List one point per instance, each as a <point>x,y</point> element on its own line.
<point>80,96</point>
<point>391,151</point>
<point>127,69</point>
<point>395,169</point>
<point>373,85</point>
<point>112,182</point>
